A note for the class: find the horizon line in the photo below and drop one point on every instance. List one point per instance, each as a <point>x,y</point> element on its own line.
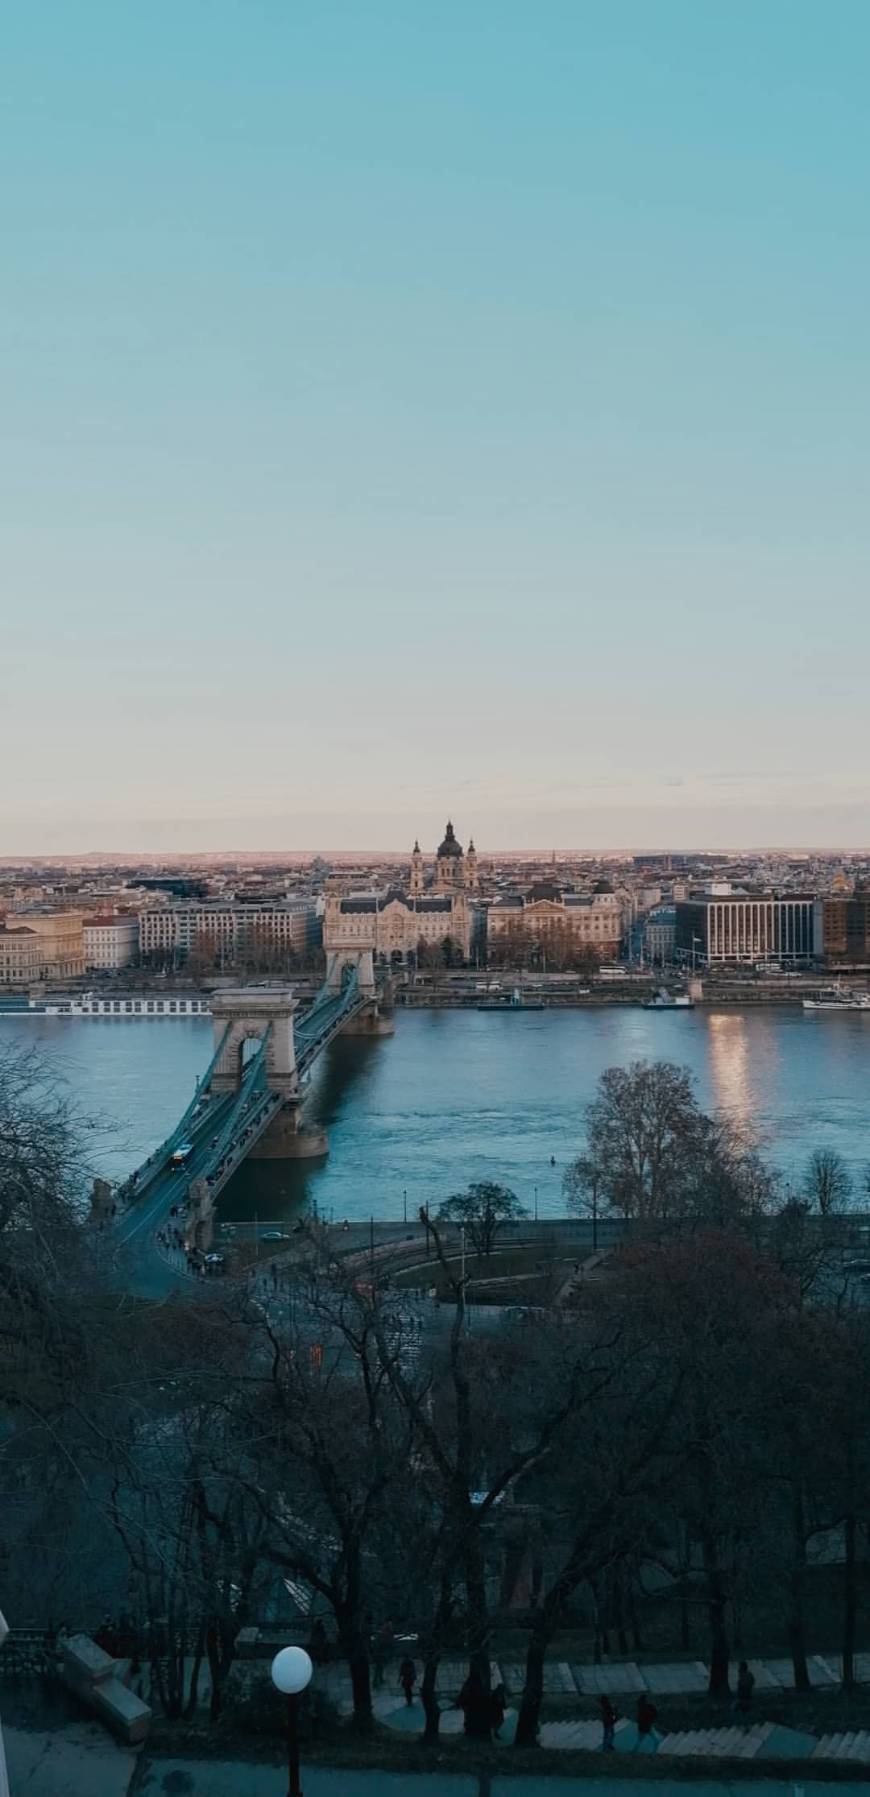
<point>119,856</point>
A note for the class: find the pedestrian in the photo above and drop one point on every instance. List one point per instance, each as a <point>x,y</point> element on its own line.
<point>647,1740</point>
<point>608,1724</point>
<point>408,1679</point>
<point>745,1688</point>
<point>381,1645</point>
<point>498,1707</point>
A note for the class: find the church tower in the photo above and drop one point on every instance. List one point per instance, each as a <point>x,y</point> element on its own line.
<point>416,885</point>
<point>449,863</point>
<point>472,878</point>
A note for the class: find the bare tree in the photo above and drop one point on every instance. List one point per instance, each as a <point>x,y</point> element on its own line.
<point>827,1181</point>
<point>481,1211</point>
<point>639,1129</point>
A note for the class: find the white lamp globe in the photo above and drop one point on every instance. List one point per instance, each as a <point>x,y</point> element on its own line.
<point>291,1671</point>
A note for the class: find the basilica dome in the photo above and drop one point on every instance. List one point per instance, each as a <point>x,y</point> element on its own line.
<point>449,847</point>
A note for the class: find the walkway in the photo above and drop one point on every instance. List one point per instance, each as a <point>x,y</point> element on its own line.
<point>624,1682</point>
<point>78,1760</point>
<point>624,1679</point>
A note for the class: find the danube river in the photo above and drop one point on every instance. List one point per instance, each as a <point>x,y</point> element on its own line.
<point>461,1095</point>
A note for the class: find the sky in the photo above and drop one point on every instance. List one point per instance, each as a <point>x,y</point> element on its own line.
<point>413,410</point>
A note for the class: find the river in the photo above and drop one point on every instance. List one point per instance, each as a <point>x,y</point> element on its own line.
<point>461,1095</point>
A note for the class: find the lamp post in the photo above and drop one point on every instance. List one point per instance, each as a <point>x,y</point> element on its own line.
<point>291,1674</point>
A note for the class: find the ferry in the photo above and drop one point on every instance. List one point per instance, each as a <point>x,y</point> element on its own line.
<point>835,998</point>
<point>95,1004</point>
<point>663,1000</point>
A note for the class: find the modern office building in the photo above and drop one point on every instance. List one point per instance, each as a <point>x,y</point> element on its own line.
<point>228,929</point>
<point>746,927</point>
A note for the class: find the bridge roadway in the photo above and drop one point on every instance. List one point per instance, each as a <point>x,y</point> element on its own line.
<point>223,1127</point>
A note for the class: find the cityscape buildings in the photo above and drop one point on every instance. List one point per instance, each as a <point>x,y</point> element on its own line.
<point>270,914</point>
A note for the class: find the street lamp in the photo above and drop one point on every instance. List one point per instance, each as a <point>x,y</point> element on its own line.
<point>291,1674</point>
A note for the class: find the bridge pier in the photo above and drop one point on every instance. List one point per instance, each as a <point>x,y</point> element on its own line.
<point>370,1022</point>
<point>288,1138</point>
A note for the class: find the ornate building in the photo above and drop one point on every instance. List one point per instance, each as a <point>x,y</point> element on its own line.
<point>433,915</point>
<point>562,920</point>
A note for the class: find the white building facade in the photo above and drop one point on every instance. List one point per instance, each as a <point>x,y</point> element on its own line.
<point>110,942</point>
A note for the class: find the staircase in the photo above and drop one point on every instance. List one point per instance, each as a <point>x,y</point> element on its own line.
<point>854,1746</point>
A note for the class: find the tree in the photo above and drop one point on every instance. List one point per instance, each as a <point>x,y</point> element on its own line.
<point>594,1492</point>
<point>716,1310</point>
<point>582,1184</point>
<point>481,1211</point>
<point>640,1127</point>
<point>473,1450</point>
<point>827,1181</point>
<point>653,1156</point>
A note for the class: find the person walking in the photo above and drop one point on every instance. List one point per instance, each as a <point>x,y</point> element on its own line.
<point>381,1646</point>
<point>745,1688</point>
<point>498,1705</point>
<point>408,1679</point>
<point>647,1740</point>
<point>608,1724</point>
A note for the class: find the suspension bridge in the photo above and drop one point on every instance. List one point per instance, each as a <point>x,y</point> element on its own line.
<point>249,1100</point>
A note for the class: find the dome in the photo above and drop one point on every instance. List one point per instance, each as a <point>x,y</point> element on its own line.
<point>602,886</point>
<point>450,846</point>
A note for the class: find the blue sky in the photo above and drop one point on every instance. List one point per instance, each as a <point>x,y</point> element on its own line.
<point>411,409</point>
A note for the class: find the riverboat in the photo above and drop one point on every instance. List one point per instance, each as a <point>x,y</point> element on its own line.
<point>123,1005</point>
<point>663,1000</point>
<point>835,998</point>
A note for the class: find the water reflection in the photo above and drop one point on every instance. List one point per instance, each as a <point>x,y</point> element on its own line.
<point>729,1065</point>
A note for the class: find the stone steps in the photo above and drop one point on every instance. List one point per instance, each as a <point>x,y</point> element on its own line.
<point>853,1745</point>
<point>719,1743</point>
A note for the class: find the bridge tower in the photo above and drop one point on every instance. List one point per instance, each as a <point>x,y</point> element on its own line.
<point>249,1011</point>
<point>375,1018</point>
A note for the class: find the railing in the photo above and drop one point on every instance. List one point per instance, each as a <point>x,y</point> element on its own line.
<point>156,1162</point>
<point>328,1018</point>
<point>28,1653</point>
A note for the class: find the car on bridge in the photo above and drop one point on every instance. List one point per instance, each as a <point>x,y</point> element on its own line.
<point>181,1153</point>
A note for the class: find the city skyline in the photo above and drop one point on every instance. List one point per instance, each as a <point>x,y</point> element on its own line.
<point>401,409</point>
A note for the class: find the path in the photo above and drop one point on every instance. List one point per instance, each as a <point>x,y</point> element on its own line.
<point>624,1682</point>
